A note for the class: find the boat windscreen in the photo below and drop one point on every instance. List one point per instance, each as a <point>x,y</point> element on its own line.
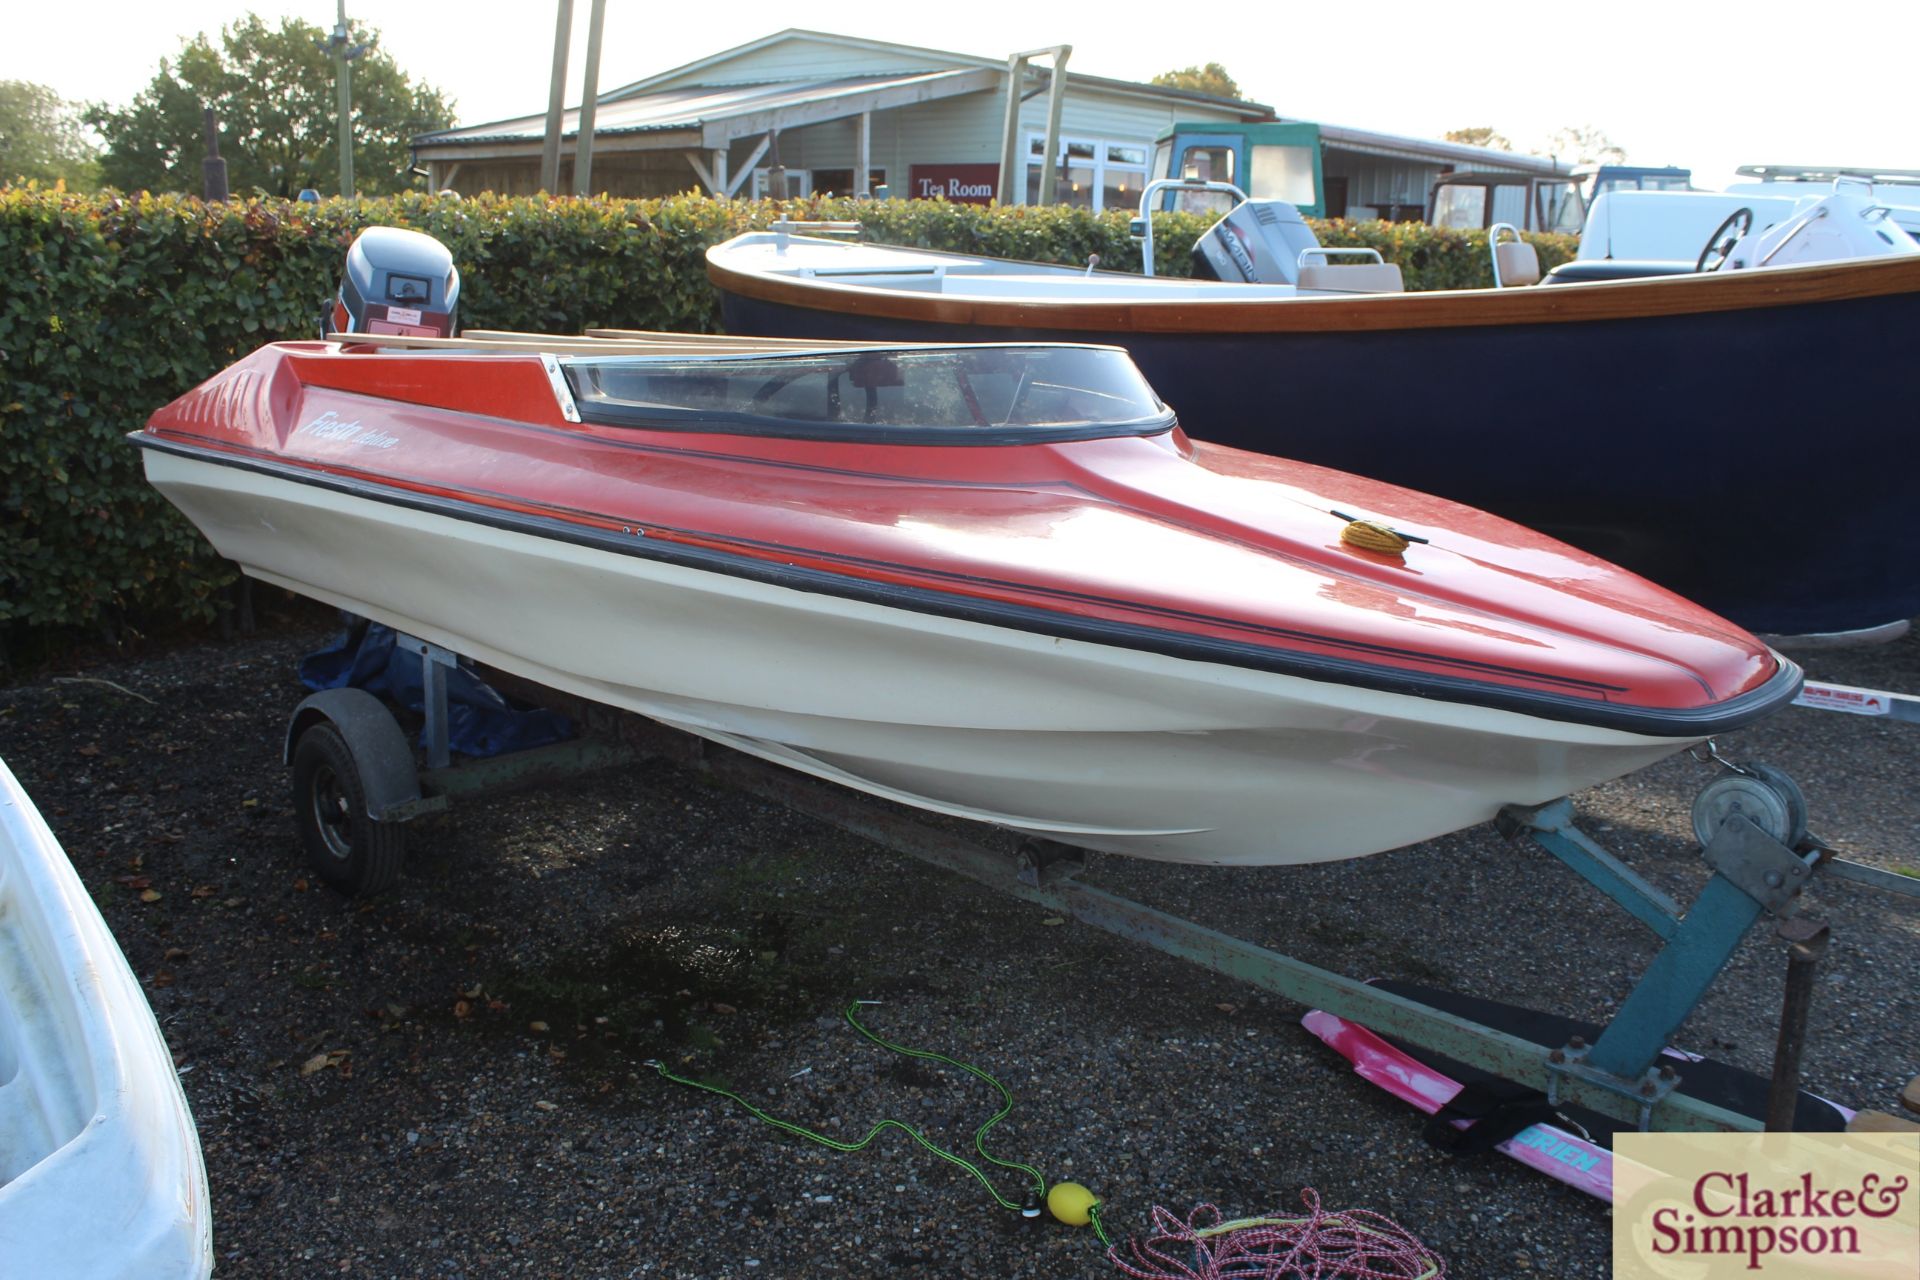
<point>974,395</point>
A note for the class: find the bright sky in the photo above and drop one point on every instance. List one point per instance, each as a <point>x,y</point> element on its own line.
<point>1703,83</point>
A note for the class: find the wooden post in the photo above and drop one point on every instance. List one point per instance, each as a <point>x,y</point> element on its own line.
<point>746,167</point>
<point>1013,157</point>
<point>776,170</point>
<point>1056,98</point>
<point>1013,173</point>
<point>213,170</point>
<point>556,99</point>
<point>719,170</point>
<point>589,95</point>
<point>863,157</point>
<point>705,174</point>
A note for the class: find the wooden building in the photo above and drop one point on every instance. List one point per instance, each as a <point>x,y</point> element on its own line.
<point>813,104</point>
<point>844,115</point>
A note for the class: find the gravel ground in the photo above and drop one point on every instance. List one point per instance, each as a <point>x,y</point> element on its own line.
<point>448,1081</point>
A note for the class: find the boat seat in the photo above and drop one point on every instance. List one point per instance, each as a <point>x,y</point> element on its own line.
<point>1585,269</point>
<point>1313,270</point>
<point>1519,263</point>
<point>1363,277</point>
<point>1515,262</point>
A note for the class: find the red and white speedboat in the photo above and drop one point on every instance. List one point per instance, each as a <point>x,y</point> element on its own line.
<point>991,581</point>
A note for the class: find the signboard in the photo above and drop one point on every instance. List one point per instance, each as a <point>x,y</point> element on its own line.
<point>1860,702</point>
<point>1838,697</point>
<point>960,183</point>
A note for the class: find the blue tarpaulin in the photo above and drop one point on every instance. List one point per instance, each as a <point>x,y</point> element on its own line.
<point>480,721</point>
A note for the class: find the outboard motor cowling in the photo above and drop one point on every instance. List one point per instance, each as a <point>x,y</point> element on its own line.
<point>397,282</point>
<point>1258,242</point>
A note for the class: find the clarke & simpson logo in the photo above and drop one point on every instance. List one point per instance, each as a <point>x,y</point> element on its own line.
<point>1782,1206</point>
<point>1728,1216</point>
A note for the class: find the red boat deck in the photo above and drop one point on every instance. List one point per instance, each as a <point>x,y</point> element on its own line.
<point>1137,537</point>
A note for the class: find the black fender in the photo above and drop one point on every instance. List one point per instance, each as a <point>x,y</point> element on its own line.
<point>381,753</point>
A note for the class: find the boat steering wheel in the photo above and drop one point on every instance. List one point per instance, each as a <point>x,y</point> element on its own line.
<point>1728,234</point>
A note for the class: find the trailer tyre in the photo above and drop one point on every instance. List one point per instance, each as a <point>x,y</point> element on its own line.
<point>346,848</point>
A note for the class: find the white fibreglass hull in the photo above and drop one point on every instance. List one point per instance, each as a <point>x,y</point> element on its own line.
<point>1103,747</point>
<point>100,1169</point>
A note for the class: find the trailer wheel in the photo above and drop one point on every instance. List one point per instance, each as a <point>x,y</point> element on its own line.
<point>346,848</point>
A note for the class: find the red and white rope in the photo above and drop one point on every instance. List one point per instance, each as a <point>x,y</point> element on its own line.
<point>1356,1244</point>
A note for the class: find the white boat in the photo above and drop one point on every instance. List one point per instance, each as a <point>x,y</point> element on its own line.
<point>1898,189</point>
<point>100,1169</point>
<point>1635,234</point>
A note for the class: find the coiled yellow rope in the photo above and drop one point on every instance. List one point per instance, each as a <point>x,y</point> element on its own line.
<point>1370,536</point>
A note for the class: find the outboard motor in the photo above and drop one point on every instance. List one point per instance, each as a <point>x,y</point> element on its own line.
<point>397,282</point>
<point>1259,242</point>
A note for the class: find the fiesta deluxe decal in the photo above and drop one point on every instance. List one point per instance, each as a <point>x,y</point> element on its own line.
<point>331,426</point>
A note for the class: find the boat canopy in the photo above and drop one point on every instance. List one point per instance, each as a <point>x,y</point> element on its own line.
<point>904,395</point>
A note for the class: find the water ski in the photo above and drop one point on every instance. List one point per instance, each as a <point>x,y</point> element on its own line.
<point>1473,1111</point>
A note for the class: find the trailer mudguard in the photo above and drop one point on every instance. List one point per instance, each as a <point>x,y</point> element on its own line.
<point>381,754</point>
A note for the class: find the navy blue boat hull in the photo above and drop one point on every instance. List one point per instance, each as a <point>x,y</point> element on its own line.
<point>1756,461</point>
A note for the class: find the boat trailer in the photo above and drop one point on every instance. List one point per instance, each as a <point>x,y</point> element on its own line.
<point>1849,700</point>
<point>356,783</point>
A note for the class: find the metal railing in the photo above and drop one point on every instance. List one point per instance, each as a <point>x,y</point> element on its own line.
<point>784,227</point>
<point>1141,228</point>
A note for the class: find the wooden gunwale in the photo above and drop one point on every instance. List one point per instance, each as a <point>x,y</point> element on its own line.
<point>742,340</point>
<point>490,341</point>
<point>1441,309</point>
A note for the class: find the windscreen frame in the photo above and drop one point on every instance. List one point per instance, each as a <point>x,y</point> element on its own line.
<point>597,408</point>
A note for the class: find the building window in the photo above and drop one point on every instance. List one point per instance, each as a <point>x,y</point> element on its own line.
<point>839,182</point>
<point>1095,174</point>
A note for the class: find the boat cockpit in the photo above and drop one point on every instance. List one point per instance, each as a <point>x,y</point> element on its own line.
<point>900,394</point>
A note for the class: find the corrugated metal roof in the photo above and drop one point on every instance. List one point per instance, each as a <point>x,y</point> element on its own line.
<point>1253,111</point>
<point>1397,147</point>
<point>688,108</point>
<point>937,59</point>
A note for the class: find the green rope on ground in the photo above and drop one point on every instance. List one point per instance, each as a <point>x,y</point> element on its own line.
<point>979,1135</point>
<point>1099,1228</point>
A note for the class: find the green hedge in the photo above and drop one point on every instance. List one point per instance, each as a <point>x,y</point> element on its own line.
<point>112,305</point>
